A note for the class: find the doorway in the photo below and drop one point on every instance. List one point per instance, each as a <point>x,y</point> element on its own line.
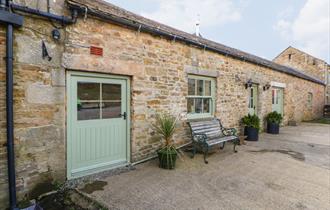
<point>97,123</point>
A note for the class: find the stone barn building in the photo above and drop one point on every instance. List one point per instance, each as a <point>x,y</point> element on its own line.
<point>308,64</point>
<point>87,87</point>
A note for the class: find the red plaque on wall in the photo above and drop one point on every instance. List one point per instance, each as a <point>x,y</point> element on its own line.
<point>96,51</point>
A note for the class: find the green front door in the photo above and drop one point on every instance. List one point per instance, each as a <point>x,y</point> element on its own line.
<point>277,100</point>
<point>253,100</point>
<point>97,123</point>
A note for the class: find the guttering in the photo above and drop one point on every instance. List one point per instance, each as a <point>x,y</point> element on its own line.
<point>62,19</point>
<point>160,32</point>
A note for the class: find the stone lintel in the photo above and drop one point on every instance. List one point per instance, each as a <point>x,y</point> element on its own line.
<point>201,72</point>
<point>278,84</point>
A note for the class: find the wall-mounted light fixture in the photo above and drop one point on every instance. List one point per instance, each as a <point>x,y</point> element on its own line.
<point>56,34</point>
<point>266,87</point>
<point>248,84</point>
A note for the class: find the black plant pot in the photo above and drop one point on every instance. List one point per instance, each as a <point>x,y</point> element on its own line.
<point>245,131</point>
<point>252,134</point>
<point>167,158</point>
<point>273,128</point>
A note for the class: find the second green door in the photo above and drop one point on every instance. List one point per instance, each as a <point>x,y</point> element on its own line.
<point>277,100</point>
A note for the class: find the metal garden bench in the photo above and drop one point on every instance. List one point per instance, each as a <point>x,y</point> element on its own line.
<point>208,133</point>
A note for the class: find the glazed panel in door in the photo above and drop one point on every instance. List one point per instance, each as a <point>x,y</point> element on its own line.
<point>277,100</point>
<point>253,99</point>
<point>97,137</point>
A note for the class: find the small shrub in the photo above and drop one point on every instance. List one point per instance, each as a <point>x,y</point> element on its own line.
<point>274,117</point>
<point>251,121</point>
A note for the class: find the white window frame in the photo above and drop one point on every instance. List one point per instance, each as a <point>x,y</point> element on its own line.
<point>212,97</point>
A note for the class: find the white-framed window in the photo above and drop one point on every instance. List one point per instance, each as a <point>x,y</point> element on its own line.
<point>201,96</point>
<point>310,100</point>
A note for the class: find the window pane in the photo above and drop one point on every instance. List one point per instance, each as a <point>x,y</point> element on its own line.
<point>190,105</point>
<point>111,92</point>
<point>88,91</point>
<point>251,98</point>
<point>200,87</point>
<point>111,101</point>
<point>310,99</point>
<point>198,105</point>
<point>88,110</point>
<point>207,88</point>
<point>111,110</point>
<point>191,87</point>
<point>206,104</point>
<point>273,96</point>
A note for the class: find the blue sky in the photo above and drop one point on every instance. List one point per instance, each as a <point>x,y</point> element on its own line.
<point>260,27</point>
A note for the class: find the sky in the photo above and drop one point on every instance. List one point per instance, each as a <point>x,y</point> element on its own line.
<point>263,28</point>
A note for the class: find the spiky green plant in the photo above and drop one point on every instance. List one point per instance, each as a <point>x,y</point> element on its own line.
<point>165,126</point>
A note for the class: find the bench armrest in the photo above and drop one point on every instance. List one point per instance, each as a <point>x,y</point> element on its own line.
<point>229,131</point>
<point>199,137</point>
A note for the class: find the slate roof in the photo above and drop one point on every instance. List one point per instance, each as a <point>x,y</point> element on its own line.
<point>110,12</point>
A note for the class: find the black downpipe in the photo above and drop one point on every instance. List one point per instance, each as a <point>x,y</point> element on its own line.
<point>10,113</point>
<point>7,5</point>
<point>48,6</point>
<point>10,117</point>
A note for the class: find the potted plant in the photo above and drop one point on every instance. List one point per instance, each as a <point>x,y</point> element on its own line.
<point>252,126</point>
<point>274,120</point>
<point>165,127</point>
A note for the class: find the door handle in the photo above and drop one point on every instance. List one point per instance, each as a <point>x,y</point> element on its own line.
<point>123,115</point>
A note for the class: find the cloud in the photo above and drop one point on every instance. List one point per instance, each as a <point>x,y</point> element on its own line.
<point>183,14</point>
<point>284,28</point>
<point>310,29</point>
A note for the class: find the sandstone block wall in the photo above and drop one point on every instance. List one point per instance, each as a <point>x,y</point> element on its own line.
<point>158,71</point>
<point>303,62</point>
<point>308,64</point>
<point>39,110</point>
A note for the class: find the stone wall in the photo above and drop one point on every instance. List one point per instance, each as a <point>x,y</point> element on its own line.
<point>308,64</point>
<point>39,109</point>
<point>3,154</point>
<point>304,62</point>
<point>158,70</point>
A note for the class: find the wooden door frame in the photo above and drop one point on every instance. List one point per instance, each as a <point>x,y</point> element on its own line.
<point>69,75</point>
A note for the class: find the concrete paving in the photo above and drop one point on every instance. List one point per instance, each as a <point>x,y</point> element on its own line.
<point>286,171</point>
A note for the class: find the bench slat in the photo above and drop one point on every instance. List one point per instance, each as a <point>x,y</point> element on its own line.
<point>203,123</point>
<point>204,130</point>
<point>220,140</point>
